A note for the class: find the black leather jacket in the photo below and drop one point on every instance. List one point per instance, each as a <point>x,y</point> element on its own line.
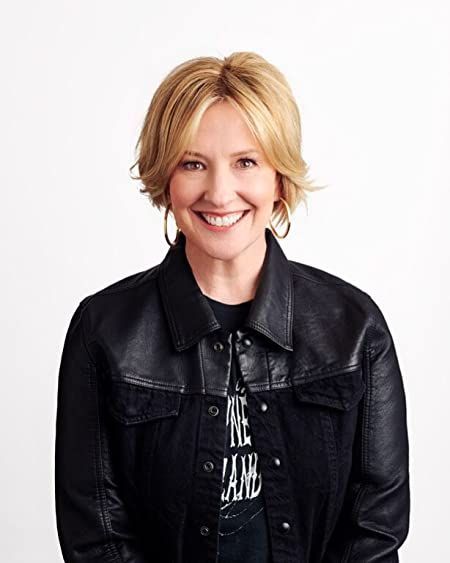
<point>142,397</point>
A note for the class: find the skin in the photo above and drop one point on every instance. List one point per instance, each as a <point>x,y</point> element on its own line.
<point>226,264</point>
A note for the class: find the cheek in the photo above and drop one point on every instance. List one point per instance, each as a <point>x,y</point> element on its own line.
<point>263,202</point>
<point>262,192</point>
<point>181,194</point>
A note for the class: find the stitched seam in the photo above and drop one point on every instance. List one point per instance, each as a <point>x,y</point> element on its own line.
<point>110,546</point>
<point>365,434</point>
<point>320,282</point>
<point>323,282</point>
<point>131,284</point>
<point>316,375</point>
<point>266,355</point>
<point>266,387</point>
<point>295,382</point>
<point>142,417</point>
<point>83,334</point>
<point>364,443</point>
<point>152,384</point>
<point>358,500</point>
<point>332,452</point>
<point>167,304</point>
<point>133,378</point>
<point>130,377</point>
<point>202,366</point>
<point>99,479</point>
<point>196,334</point>
<point>264,330</point>
<point>289,320</point>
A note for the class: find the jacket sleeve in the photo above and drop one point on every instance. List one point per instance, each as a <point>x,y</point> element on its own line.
<point>92,521</point>
<point>374,521</point>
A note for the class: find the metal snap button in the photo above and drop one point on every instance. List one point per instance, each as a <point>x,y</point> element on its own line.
<point>285,526</point>
<point>208,466</point>
<point>204,530</point>
<point>213,410</point>
<point>263,406</point>
<point>218,346</point>
<point>276,461</point>
<point>247,342</point>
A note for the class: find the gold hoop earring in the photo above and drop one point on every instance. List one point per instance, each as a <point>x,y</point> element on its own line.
<point>288,213</point>
<point>165,228</point>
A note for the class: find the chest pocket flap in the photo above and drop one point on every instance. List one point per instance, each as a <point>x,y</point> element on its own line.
<point>131,403</point>
<point>341,390</point>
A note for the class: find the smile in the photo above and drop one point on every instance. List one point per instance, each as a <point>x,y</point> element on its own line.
<point>221,223</point>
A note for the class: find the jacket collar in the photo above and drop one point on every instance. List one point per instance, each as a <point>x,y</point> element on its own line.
<point>190,316</point>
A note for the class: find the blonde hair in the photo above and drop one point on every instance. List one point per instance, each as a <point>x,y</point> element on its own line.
<point>256,88</point>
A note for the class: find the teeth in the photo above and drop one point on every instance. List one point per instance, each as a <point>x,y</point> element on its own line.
<point>226,221</point>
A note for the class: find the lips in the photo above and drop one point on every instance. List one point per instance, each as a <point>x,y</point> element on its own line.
<point>217,227</point>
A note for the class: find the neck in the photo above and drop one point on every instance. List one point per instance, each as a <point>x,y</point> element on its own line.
<point>228,281</point>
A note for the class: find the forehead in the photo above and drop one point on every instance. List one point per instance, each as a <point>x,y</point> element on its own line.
<point>245,152</point>
<point>223,125</point>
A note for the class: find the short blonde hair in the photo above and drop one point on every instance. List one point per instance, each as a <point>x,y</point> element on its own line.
<point>254,87</point>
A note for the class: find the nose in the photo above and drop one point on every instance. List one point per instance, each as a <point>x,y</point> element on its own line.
<point>219,188</point>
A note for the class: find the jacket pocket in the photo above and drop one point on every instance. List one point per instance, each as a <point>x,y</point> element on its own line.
<point>328,403</point>
<point>342,390</point>
<point>132,403</point>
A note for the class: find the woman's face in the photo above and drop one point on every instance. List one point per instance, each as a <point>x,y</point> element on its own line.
<point>212,182</point>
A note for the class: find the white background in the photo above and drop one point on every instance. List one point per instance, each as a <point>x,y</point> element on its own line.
<point>373,86</point>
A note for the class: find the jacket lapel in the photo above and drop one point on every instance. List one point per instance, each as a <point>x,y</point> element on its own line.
<point>190,316</point>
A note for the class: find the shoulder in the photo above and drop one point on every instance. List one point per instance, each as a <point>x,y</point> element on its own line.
<point>318,279</point>
<point>121,292</point>
<point>323,292</point>
<point>316,275</point>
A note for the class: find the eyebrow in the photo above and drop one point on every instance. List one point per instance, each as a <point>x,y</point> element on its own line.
<point>239,153</point>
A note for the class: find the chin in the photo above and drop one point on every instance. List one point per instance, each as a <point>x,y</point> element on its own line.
<point>224,250</point>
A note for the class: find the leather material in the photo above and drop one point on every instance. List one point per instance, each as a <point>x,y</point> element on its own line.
<point>144,359</point>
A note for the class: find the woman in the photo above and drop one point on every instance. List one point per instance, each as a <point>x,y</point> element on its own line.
<point>229,404</point>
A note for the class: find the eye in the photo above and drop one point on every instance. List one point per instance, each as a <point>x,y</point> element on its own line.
<point>247,160</point>
<point>192,165</point>
<point>189,162</point>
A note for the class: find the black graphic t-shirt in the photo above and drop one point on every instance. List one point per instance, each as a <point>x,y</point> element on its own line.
<point>243,531</point>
